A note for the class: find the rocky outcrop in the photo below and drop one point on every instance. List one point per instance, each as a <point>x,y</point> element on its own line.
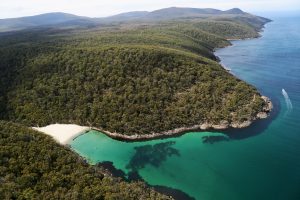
<point>224,124</point>
<point>262,115</point>
<point>243,124</point>
<point>266,109</point>
<point>268,106</point>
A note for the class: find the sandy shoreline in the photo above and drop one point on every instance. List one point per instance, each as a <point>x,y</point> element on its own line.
<point>63,133</point>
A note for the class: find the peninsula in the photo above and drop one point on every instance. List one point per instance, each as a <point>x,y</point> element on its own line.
<point>133,76</point>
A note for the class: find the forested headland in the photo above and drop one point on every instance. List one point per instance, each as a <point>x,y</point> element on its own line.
<point>150,74</point>
<point>130,78</point>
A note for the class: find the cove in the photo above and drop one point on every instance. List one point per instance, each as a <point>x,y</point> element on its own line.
<point>259,162</point>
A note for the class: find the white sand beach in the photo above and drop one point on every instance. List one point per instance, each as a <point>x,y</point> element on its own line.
<point>63,133</point>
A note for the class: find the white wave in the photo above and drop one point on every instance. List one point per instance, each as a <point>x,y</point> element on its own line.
<point>287,99</point>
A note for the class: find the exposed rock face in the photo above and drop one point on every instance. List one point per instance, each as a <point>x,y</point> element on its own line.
<point>224,124</point>
<point>262,115</point>
<point>269,106</point>
<point>241,125</point>
<point>266,109</point>
<point>205,126</point>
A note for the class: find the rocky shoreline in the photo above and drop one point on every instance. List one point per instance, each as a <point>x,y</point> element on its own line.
<point>206,126</point>
<point>201,127</point>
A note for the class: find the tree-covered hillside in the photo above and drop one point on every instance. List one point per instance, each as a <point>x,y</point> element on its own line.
<point>34,166</point>
<point>121,75</point>
<point>127,89</point>
<point>129,78</point>
<point>66,21</point>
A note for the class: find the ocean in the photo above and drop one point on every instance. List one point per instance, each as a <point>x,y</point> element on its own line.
<point>259,162</point>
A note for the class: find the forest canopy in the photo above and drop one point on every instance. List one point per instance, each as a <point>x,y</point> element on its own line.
<point>34,166</point>
<point>129,76</point>
<point>130,79</point>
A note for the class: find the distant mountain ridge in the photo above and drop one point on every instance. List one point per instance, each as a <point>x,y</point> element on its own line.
<point>37,20</point>
<point>170,13</point>
<point>234,11</point>
<point>65,20</point>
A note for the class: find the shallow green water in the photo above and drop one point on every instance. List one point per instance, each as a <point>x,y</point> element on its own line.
<point>261,162</point>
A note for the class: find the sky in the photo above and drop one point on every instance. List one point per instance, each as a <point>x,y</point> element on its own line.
<point>103,8</point>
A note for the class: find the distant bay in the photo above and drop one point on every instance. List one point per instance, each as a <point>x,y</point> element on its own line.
<point>260,162</point>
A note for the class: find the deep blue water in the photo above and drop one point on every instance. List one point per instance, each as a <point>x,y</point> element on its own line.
<point>272,63</point>
<point>260,162</point>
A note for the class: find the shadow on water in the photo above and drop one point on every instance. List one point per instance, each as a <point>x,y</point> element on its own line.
<point>256,128</point>
<point>135,176</point>
<point>152,154</point>
<point>214,139</point>
<point>176,194</point>
<point>156,154</point>
<point>109,166</point>
<point>148,155</point>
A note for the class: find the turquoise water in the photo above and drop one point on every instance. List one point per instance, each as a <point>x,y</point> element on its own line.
<point>261,162</point>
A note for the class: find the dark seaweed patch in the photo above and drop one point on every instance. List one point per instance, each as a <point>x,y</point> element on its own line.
<point>152,155</point>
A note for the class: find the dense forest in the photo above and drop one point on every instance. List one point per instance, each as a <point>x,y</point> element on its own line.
<point>34,166</point>
<point>132,77</point>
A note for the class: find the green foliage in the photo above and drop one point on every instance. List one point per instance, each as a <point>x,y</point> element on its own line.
<point>129,78</point>
<point>132,79</point>
<point>33,166</point>
<point>131,90</point>
<point>228,29</point>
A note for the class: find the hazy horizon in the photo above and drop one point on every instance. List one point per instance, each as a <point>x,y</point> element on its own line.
<point>96,8</point>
